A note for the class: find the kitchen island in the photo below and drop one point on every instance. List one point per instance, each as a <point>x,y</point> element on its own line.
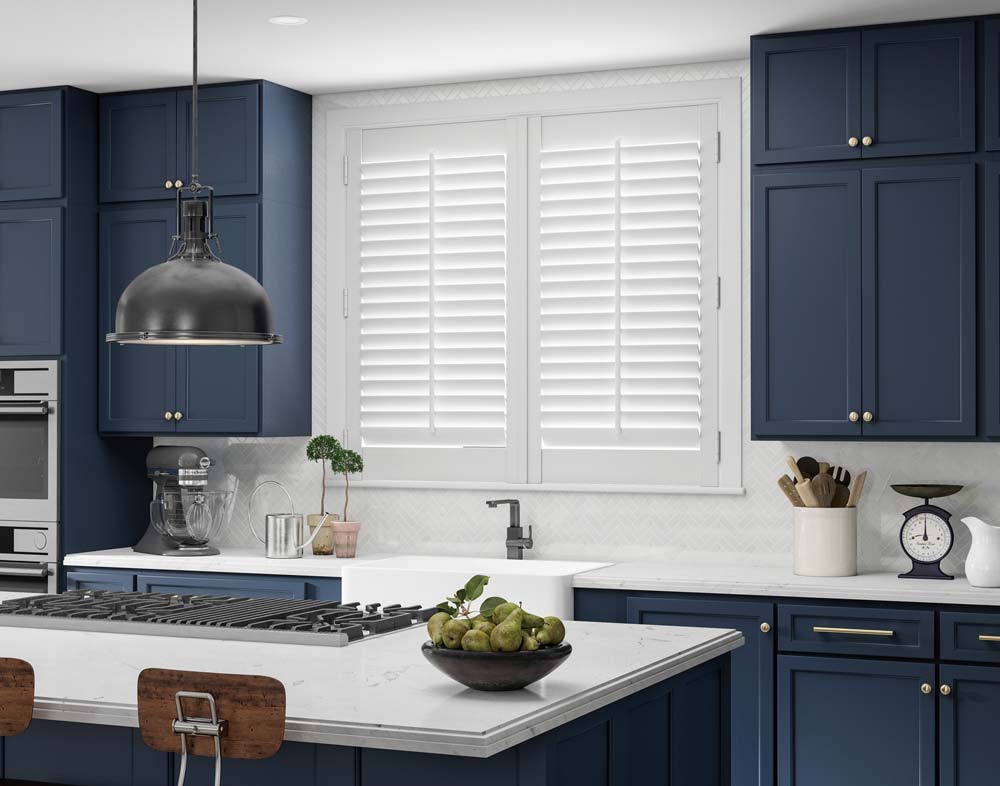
<point>631,704</point>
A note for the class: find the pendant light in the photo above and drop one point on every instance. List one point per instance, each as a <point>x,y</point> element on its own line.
<point>194,298</point>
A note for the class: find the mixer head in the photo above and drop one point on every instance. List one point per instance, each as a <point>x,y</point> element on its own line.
<point>174,466</point>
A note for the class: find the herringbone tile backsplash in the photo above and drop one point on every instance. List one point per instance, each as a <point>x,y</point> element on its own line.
<point>753,528</point>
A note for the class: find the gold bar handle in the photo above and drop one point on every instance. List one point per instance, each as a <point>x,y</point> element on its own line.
<point>987,637</point>
<point>855,631</point>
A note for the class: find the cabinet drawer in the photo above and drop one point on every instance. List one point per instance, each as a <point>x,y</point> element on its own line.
<point>221,584</point>
<point>846,630</point>
<point>970,636</point>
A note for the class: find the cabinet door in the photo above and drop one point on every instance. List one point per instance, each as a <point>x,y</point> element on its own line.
<point>806,304</point>
<point>138,146</point>
<point>218,387</point>
<point>31,258</point>
<point>752,680</point>
<point>859,722</point>
<point>228,137</point>
<point>806,102</point>
<point>138,384</point>
<point>31,135</point>
<point>90,579</point>
<point>233,586</point>
<point>991,300</point>
<point>919,300</point>
<point>991,92</point>
<point>968,713</point>
<point>919,89</point>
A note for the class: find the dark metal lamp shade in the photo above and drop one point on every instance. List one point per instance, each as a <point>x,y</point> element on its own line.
<point>194,298</point>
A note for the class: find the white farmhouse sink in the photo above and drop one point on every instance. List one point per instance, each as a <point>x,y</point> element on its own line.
<point>543,586</point>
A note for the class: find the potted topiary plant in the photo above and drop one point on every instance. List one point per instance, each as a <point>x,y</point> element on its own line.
<point>323,449</point>
<point>345,532</point>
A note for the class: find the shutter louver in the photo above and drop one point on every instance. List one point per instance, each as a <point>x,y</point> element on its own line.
<point>621,283</point>
<point>433,271</point>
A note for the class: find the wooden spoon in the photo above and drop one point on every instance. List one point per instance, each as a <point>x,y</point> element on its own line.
<point>787,485</point>
<point>794,467</point>
<point>841,495</point>
<point>842,476</point>
<point>808,466</point>
<point>856,488</point>
<point>823,488</point>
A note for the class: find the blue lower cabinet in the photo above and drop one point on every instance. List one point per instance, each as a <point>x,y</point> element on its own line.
<point>96,579</point>
<point>858,722</point>
<point>752,689</point>
<point>970,696</point>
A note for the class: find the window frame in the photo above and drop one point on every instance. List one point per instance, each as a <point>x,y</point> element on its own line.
<point>726,94</point>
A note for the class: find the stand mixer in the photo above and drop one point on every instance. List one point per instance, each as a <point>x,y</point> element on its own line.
<point>185,514</point>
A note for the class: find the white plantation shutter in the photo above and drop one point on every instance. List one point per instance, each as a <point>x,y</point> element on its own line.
<point>431,312</point>
<point>623,278</point>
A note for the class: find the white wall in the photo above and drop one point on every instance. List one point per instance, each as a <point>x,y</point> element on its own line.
<point>755,527</point>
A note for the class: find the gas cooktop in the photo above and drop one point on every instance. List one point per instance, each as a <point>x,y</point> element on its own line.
<point>316,622</point>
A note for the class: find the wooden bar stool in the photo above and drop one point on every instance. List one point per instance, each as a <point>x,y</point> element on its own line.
<point>226,716</point>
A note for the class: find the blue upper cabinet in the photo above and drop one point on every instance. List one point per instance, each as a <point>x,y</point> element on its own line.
<point>991,301</point>
<point>31,260</point>
<point>31,145</point>
<point>918,89</point>
<point>138,139</point>
<point>991,91</point>
<point>888,91</point>
<point>806,315</point>
<point>228,137</point>
<point>919,301</point>
<point>806,97</point>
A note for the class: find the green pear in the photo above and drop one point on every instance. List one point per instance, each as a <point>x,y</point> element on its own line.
<point>501,612</point>
<point>434,626</point>
<point>475,641</point>
<point>484,625</point>
<point>507,636</point>
<point>551,633</point>
<point>531,621</point>
<point>452,633</point>
<point>529,643</point>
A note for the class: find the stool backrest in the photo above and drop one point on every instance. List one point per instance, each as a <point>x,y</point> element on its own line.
<point>17,696</point>
<point>252,708</point>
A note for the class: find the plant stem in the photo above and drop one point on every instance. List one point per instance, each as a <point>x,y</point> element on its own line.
<point>347,493</point>
<point>322,498</point>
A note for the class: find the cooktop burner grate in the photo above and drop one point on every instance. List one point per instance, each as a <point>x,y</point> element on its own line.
<point>317,622</point>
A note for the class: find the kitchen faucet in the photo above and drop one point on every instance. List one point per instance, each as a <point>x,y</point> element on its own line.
<point>516,542</point>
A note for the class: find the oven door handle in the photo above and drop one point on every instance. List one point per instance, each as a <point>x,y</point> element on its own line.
<point>36,570</point>
<point>24,408</point>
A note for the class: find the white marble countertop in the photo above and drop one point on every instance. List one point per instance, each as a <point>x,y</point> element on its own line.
<point>378,693</point>
<point>11,595</point>
<point>230,560</point>
<point>723,579</point>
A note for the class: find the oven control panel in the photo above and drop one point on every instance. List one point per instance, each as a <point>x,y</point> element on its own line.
<point>27,541</point>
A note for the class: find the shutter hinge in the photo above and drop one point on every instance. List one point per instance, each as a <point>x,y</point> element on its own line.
<point>345,169</point>
<point>718,148</point>
<point>718,447</point>
<point>718,292</point>
<point>346,304</point>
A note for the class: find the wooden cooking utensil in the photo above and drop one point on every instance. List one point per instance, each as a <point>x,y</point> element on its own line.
<point>841,494</point>
<point>842,476</point>
<point>787,485</point>
<point>856,488</point>
<point>808,466</point>
<point>804,488</point>
<point>823,488</point>
<point>794,467</point>
<point>824,468</point>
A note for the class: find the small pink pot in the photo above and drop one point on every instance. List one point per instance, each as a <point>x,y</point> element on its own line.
<point>345,538</point>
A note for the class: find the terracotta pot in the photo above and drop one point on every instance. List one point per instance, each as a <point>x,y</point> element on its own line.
<point>323,544</point>
<point>345,538</point>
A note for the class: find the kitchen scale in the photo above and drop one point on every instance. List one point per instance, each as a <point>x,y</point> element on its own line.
<point>926,535</point>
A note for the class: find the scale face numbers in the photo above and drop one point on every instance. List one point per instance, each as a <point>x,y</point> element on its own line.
<point>926,537</point>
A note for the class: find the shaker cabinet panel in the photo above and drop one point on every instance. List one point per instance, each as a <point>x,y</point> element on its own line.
<point>806,97</point>
<point>31,253</point>
<point>806,294</point>
<point>919,296</point>
<point>138,383</point>
<point>991,300</point>
<point>138,146</point>
<point>918,89</point>
<point>228,137</point>
<point>968,712</point>
<point>991,88</point>
<point>31,141</point>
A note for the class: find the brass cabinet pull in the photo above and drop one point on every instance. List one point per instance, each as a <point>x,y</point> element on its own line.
<point>178,415</point>
<point>765,627</point>
<point>854,631</point>
<point>168,415</point>
<point>178,184</point>
<point>926,688</point>
<point>852,142</point>
<point>868,417</point>
<point>854,417</point>
<point>867,141</point>
<point>169,184</point>
<point>987,637</point>
<point>945,690</point>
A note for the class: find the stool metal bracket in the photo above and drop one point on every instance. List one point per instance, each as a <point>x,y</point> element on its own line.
<point>186,725</point>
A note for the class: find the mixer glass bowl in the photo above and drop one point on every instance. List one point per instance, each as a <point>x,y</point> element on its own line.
<point>191,517</point>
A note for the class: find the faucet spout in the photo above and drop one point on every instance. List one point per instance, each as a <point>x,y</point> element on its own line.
<point>516,542</point>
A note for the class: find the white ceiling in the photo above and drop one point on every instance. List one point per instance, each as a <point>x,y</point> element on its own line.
<point>106,45</point>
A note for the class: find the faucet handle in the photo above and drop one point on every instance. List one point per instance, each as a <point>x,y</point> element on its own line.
<point>530,542</point>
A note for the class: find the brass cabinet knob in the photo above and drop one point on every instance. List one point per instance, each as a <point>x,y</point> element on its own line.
<point>867,141</point>
<point>853,141</point>
<point>946,690</point>
<point>926,688</point>
<point>178,415</point>
<point>854,417</point>
<point>178,184</point>
<point>868,417</point>
<point>169,184</point>
<point>168,415</point>
<point>765,627</point>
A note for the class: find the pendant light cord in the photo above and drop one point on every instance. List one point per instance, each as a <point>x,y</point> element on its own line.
<point>194,100</point>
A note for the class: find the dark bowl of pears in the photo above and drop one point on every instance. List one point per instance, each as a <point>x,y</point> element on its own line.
<point>507,651</point>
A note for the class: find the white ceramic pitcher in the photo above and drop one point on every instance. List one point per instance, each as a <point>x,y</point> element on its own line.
<point>982,566</point>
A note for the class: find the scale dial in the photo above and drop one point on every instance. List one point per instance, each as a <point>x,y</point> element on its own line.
<point>926,537</point>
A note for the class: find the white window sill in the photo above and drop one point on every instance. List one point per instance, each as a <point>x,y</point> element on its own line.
<point>524,488</point>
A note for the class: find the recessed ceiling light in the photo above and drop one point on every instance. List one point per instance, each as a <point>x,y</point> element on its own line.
<point>288,21</point>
